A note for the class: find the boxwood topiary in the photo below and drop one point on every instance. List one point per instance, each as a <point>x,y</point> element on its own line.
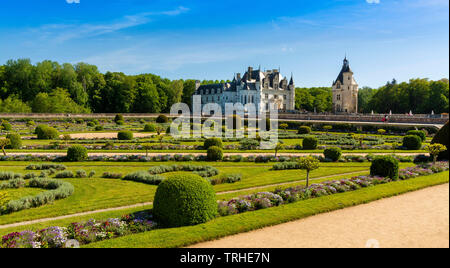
<point>304,130</point>
<point>442,137</point>
<point>309,143</point>
<point>125,135</point>
<point>15,141</point>
<point>77,153</point>
<point>212,142</point>
<point>184,200</point>
<point>214,153</point>
<point>118,118</point>
<point>334,153</point>
<point>149,128</point>
<point>385,166</point>
<point>412,142</point>
<point>420,133</point>
<point>162,119</point>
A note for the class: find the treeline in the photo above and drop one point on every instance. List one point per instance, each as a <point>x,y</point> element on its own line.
<point>50,87</point>
<point>319,99</point>
<point>421,96</point>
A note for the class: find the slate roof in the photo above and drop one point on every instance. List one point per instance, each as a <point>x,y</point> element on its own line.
<point>345,69</point>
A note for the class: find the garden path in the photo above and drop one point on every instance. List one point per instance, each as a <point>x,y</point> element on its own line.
<point>414,220</point>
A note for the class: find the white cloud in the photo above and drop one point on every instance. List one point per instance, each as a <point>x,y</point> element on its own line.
<point>73,1</point>
<point>373,1</point>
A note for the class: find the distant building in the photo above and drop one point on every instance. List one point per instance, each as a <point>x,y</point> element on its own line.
<point>260,88</point>
<point>345,91</point>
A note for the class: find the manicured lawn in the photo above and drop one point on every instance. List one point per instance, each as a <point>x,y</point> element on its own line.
<point>230,225</point>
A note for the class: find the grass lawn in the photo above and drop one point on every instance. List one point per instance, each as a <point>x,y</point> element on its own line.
<point>97,193</point>
<point>225,226</point>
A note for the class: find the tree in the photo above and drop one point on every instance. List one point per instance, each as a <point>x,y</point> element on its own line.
<point>284,126</point>
<point>67,138</point>
<point>188,91</point>
<point>13,104</point>
<point>435,150</point>
<point>146,147</point>
<point>3,144</point>
<point>278,147</point>
<point>309,164</point>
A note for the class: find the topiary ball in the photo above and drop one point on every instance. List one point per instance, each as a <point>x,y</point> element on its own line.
<point>125,135</point>
<point>15,141</point>
<point>310,143</point>
<point>212,142</point>
<point>385,166</point>
<point>412,142</point>
<point>442,137</point>
<point>77,153</point>
<point>420,133</point>
<point>184,200</point>
<point>304,130</point>
<point>162,119</point>
<point>334,153</point>
<point>214,153</point>
<point>149,128</point>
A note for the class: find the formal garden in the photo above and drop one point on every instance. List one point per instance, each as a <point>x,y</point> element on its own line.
<point>125,182</point>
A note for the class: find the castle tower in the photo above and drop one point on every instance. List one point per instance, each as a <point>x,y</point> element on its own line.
<point>345,91</point>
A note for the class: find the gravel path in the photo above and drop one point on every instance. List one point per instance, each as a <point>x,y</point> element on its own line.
<point>414,220</point>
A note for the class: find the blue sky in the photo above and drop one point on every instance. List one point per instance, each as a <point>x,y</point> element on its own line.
<point>214,39</point>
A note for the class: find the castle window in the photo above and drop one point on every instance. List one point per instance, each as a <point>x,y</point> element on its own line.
<point>267,96</point>
<point>338,97</point>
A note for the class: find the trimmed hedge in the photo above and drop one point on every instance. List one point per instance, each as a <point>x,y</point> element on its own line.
<point>15,141</point>
<point>214,153</point>
<point>442,137</point>
<point>412,142</point>
<point>144,177</point>
<point>310,143</point>
<point>203,171</point>
<point>304,130</point>
<point>385,166</point>
<point>77,153</point>
<point>334,153</point>
<point>212,142</point>
<point>125,135</point>
<point>183,200</point>
<point>420,133</point>
<point>45,167</point>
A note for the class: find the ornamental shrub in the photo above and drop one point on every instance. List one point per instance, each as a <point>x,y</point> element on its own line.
<point>77,153</point>
<point>6,126</point>
<point>15,141</point>
<point>334,153</point>
<point>99,128</point>
<point>310,143</point>
<point>304,130</point>
<point>149,128</point>
<point>214,153</point>
<point>184,200</point>
<point>144,177</point>
<point>385,166</point>
<point>442,137</point>
<point>45,132</point>
<point>420,133</point>
<point>125,135</point>
<point>162,119</point>
<point>65,175</point>
<point>412,142</point>
<point>118,118</point>
<point>212,142</point>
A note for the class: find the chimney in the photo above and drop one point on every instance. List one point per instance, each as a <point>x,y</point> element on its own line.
<point>238,77</point>
<point>275,71</point>
<point>250,71</point>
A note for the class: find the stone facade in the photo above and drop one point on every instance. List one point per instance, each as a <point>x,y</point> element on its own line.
<point>345,91</point>
<point>256,87</point>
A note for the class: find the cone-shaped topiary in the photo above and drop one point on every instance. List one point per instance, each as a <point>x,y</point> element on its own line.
<point>442,138</point>
<point>183,200</point>
<point>385,166</point>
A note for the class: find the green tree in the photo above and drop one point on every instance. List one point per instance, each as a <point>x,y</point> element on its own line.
<point>309,164</point>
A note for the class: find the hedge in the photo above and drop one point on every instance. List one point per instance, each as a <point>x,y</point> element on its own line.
<point>125,135</point>
<point>15,141</point>
<point>442,137</point>
<point>385,166</point>
<point>144,177</point>
<point>412,142</point>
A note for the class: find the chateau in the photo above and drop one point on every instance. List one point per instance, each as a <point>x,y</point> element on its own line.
<point>264,89</point>
<point>345,91</point>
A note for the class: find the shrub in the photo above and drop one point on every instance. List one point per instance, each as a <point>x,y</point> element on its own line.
<point>45,132</point>
<point>15,141</point>
<point>46,167</point>
<point>120,122</point>
<point>304,130</point>
<point>162,119</point>
<point>420,133</point>
<point>6,126</point>
<point>310,143</point>
<point>334,153</point>
<point>183,200</point>
<point>90,124</point>
<point>118,118</point>
<point>248,144</point>
<point>65,175</point>
<point>125,135</point>
<point>412,142</point>
<point>99,128</point>
<point>109,175</point>
<point>81,174</point>
<point>231,178</point>
<point>7,175</point>
<point>144,177</point>
<point>214,153</point>
<point>203,171</point>
<point>149,128</point>
<point>77,153</point>
<point>212,142</point>
<point>442,137</point>
<point>385,166</point>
